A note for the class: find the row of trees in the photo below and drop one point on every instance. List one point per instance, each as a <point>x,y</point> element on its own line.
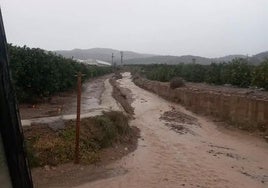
<point>237,72</point>
<point>38,74</point>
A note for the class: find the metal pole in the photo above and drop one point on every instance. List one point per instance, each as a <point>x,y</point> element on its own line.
<point>112,58</point>
<point>113,63</point>
<point>121,58</point>
<point>76,160</point>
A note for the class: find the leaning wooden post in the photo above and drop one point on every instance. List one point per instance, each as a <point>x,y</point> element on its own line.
<point>76,159</point>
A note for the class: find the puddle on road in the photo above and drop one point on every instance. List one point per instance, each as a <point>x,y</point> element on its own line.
<point>91,104</point>
<point>90,99</point>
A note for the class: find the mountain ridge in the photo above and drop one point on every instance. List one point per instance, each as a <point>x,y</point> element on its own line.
<point>103,54</point>
<point>130,57</point>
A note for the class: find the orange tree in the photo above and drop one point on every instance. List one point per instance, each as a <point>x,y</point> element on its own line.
<point>260,75</point>
<point>37,74</point>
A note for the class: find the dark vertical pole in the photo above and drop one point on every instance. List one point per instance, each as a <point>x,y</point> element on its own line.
<point>113,64</point>
<point>76,160</point>
<point>112,59</point>
<point>121,58</point>
<point>10,125</point>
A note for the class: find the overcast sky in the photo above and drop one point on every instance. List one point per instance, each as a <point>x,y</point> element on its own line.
<point>210,28</point>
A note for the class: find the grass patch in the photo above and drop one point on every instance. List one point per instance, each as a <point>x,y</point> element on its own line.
<point>49,147</point>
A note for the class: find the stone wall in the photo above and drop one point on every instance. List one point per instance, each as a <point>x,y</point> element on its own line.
<point>243,111</point>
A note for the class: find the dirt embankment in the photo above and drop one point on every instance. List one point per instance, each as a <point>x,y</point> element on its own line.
<point>122,96</point>
<point>243,108</point>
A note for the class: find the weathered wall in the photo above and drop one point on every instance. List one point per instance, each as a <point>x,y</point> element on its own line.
<point>240,110</point>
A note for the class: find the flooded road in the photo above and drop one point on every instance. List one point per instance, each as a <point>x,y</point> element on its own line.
<point>190,151</point>
<point>96,97</point>
<point>65,103</point>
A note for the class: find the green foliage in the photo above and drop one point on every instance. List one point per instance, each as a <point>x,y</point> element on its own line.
<point>260,75</point>
<point>107,133</point>
<point>112,125</point>
<point>49,147</point>
<point>68,134</point>
<point>31,155</point>
<point>38,74</point>
<point>214,73</point>
<point>120,122</point>
<point>238,72</point>
<point>193,72</point>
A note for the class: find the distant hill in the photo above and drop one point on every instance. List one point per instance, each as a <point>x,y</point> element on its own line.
<point>258,58</point>
<point>183,59</point>
<point>103,54</point>
<point>228,58</point>
<point>170,60</point>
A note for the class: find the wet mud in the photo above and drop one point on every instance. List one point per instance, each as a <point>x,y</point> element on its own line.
<point>177,148</point>
<point>65,103</point>
<point>209,157</point>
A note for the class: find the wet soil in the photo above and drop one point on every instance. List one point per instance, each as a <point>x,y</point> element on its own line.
<point>69,175</point>
<point>177,148</point>
<point>65,103</point>
<point>178,121</point>
<point>211,156</point>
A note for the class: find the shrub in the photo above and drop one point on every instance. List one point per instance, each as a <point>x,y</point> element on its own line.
<point>260,75</point>
<point>176,82</point>
<point>52,147</point>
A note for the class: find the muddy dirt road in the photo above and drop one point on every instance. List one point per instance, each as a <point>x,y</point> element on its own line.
<point>96,97</point>
<point>65,103</point>
<point>180,149</point>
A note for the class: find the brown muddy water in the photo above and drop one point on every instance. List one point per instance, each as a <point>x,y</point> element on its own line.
<point>96,97</point>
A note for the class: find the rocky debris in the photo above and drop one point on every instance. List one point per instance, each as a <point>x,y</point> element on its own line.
<point>179,122</point>
<point>227,154</point>
<point>117,76</point>
<point>179,128</point>
<point>179,117</point>
<point>261,178</point>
